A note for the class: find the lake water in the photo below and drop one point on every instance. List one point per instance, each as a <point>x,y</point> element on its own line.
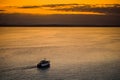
<point>76,53</point>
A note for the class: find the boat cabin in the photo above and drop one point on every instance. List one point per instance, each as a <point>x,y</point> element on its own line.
<point>43,64</point>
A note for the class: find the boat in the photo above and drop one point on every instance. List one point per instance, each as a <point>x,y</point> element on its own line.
<point>43,64</point>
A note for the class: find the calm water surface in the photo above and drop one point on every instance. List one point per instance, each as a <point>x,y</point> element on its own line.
<point>75,53</point>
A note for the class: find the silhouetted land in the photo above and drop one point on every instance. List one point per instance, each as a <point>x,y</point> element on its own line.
<point>61,25</point>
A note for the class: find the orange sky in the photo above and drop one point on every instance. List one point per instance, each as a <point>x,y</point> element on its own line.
<point>18,3</point>
<point>39,2</point>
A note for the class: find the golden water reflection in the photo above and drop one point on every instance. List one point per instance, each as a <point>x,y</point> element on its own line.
<point>23,46</point>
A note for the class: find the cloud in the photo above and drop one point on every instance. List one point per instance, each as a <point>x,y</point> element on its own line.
<point>29,7</point>
<point>2,10</point>
<point>58,5</point>
<point>108,9</point>
<point>48,5</point>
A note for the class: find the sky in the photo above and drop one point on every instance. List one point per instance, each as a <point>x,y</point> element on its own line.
<point>77,12</point>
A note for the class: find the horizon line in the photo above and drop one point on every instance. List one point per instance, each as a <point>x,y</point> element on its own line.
<point>57,25</point>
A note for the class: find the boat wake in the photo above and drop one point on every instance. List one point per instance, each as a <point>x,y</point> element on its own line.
<point>18,68</point>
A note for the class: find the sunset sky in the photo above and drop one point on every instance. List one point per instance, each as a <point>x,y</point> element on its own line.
<point>55,9</point>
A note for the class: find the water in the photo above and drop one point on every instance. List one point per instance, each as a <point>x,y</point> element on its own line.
<point>75,53</point>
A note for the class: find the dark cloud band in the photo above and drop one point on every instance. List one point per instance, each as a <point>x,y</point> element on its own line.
<point>103,8</point>
<point>2,10</point>
<point>29,7</point>
<point>107,9</point>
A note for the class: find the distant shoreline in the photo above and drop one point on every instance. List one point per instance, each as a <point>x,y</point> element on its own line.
<point>59,25</point>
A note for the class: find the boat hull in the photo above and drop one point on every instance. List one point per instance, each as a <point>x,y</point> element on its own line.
<point>43,65</point>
